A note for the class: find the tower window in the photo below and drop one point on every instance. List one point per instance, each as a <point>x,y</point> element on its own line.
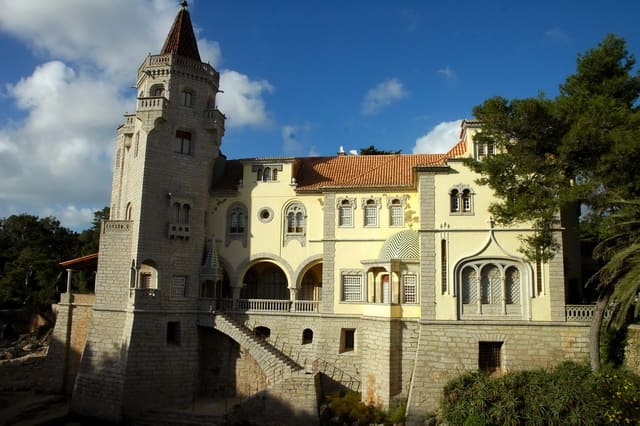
<point>187,98</point>
<point>173,333</point>
<point>183,142</point>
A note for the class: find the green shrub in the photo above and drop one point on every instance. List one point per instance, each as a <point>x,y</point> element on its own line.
<point>347,409</point>
<point>570,394</point>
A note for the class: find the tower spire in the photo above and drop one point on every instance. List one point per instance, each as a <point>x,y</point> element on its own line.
<point>181,39</point>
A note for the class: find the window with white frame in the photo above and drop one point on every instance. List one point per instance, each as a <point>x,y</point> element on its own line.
<point>409,288</point>
<point>183,142</point>
<point>483,150</point>
<point>461,200</point>
<point>345,212</point>
<point>351,287</point>
<point>396,211</point>
<point>371,207</point>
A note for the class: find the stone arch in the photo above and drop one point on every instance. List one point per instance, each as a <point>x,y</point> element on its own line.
<point>265,279</point>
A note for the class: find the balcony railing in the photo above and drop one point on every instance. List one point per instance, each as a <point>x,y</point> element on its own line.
<point>579,312</point>
<point>265,305</point>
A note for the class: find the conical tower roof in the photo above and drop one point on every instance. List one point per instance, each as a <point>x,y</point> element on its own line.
<point>181,39</point>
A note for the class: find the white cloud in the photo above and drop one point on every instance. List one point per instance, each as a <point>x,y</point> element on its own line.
<point>384,94</point>
<point>448,73</point>
<point>242,101</point>
<point>439,139</point>
<point>58,157</point>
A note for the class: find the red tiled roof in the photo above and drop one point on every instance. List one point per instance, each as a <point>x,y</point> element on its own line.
<point>344,171</point>
<point>362,171</point>
<point>458,149</point>
<point>181,39</point>
<point>80,260</point>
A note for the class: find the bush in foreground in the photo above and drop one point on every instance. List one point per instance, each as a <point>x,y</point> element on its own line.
<point>569,394</point>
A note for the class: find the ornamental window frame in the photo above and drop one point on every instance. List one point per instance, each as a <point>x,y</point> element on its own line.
<point>346,207</point>
<point>371,212</point>
<point>492,287</point>
<point>237,213</point>
<point>396,206</point>
<point>295,223</point>
<point>461,200</point>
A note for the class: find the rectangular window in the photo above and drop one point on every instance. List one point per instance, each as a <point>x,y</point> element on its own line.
<point>187,98</point>
<point>490,356</point>
<point>183,142</point>
<point>179,286</point>
<point>145,280</point>
<point>173,333</point>
<point>371,216</point>
<point>397,215</point>
<point>352,288</point>
<point>347,339</point>
<point>345,217</point>
<point>409,289</point>
<point>443,265</point>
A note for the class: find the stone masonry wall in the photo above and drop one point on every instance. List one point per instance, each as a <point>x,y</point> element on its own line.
<point>449,349</point>
<point>632,349</point>
<point>68,341</point>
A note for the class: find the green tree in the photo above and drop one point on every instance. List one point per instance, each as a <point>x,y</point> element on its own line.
<point>30,251</point>
<point>372,150</point>
<point>90,238</point>
<point>582,147</point>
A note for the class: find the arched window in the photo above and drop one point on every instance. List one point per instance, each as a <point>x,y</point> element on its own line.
<point>236,223</point>
<point>491,288</point>
<point>396,212</point>
<point>345,212</point>
<point>371,207</point>
<point>266,174</point>
<point>157,90</point>
<point>274,174</point>
<point>455,201</point>
<point>295,223</point>
<point>176,212</point>
<point>461,200</point>
<point>259,173</point>
<point>186,211</point>
<point>128,212</point>
<point>295,219</point>
<point>307,336</point>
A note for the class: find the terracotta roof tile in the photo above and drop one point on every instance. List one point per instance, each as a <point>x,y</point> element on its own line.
<point>458,150</point>
<point>181,40</point>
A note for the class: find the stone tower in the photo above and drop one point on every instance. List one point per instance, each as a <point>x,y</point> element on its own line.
<point>144,319</point>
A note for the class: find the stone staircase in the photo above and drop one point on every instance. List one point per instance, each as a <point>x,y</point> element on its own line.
<point>275,364</point>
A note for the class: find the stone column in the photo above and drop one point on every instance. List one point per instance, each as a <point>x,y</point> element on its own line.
<point>236,296</point>
<point>292,296</point>
<point>69,273</point>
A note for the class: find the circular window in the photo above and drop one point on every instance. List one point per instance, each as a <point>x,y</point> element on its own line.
<point>265,214</point>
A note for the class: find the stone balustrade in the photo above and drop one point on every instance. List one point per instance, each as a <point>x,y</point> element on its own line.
<point>579,312</point>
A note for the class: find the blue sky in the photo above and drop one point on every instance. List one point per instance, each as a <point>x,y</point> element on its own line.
<point>299,77</point>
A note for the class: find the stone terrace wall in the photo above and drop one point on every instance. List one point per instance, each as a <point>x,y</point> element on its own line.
<point>448,349</point>
<point>73,320</point>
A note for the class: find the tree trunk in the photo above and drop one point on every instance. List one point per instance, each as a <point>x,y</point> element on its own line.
<point>596,328</point>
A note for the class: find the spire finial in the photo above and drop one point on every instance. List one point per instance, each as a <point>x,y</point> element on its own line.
<point>184,4</point>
